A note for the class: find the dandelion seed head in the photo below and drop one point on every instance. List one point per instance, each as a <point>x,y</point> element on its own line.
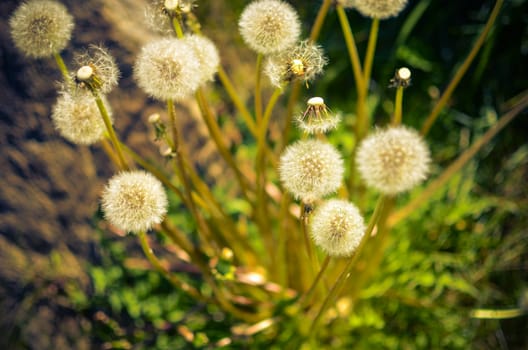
<point>207,55</point>
<point>393,160</point>
<point>317,118</point>
<point>337,227</point>
<point>134,201</point>
<point>269,26</point>
<point>41,28</point>
<point>168,69</point>
<point>311,169</point>
<point>76,116</point>
<point>304,61</point>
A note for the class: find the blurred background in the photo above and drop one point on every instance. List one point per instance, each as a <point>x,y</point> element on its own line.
<point>67,282</point>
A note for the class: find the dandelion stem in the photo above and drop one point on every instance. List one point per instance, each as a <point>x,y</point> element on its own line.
<point>62,67</point>
<point>244,113</point>
<point>258,92</point>
<point>306,298</point>
<point>371,48</point>
<point>307,242</point>
<point>109,127</point>
<point>397,118</point>
<point>177,27</point>
<point>431,118</point>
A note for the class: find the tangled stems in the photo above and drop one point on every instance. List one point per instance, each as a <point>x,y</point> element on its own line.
<point>431,118</point>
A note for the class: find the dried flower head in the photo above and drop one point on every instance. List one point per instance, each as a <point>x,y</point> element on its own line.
<point>337,227</point>
<point>381,9</point>
<point>317,118</point>
<point>134,201</point>
<point>76,117</point>
<point>311,169</point>
<point>96,69</point>
<point>41,28</point>
<point>402,78</point>
<point>207,55</point>
<point>393,160</point>
<point>269,26</point>
<point>168,69</point>
<point>305,61</point>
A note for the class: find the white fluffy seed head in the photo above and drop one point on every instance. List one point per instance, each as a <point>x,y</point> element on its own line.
<point>134,201</point>
<point>105,73</point>
<point>41,28</point>
<point>207,55</point>
<point>381,9</point>
<point>168,69</point>
<point>76,116</point>
<point>311,169</point>
<point>393,160</point>
<point>337,227</point>
<point>304,61</point>
<point>269,26</point>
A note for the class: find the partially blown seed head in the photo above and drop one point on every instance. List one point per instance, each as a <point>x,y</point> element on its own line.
<point>337,227</point>
<point>317,118</point>
<point>305,61</point>
<point>134,201</point>
<point>207,55</point>
<point>269,26</point>
<point>393,160</point>
<point>104,71</point>
<point>76,117</point>
<point>311,169</point>
<point>381,9</point>
<point>41,28</point>
<point>168,69</point>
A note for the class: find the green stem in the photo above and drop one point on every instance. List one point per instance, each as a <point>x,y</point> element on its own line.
<point>306,298</point>
<point>371,48</point>
<point>62,68</point>
<point>258,93</point>
<point>397,118</point>
<point>177,27</point>
<point>179,284</point>
<point>336,288</point>
<point>110,129</point>
<point>241,107</point>
<point>458,164</point>
<point>307,241</point>
<point>431,118</point>
<point>216,135</point>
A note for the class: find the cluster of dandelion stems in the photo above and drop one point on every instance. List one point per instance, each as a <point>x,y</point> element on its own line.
<point>261,275</point>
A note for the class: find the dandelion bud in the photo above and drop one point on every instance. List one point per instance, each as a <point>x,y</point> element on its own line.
<point>77,118</point>
<point>305,62</point>
<point>41,28</point>
<point>207,55</point>
<point>381,9</point>
<point>393,160</point>
<point>134,201</point>
<point>98,69</point>
<point>269,26</point>
<point>317,118</point>
<point>168,69</point>
<point>337,227</point>
<point>311,169</point>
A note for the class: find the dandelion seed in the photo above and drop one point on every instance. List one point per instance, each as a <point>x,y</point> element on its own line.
<point>337,227</point>
<point>168,69</point>
<point>97,69</point>
<point>76,116</point>
<point>269,26</point>
<point>134,201</point>
<point>311,169</point>
<point>305,61</point>
<point>381,9</point>
<point>393,160</point>
<point>317,118</point>
<point>41,28</point>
